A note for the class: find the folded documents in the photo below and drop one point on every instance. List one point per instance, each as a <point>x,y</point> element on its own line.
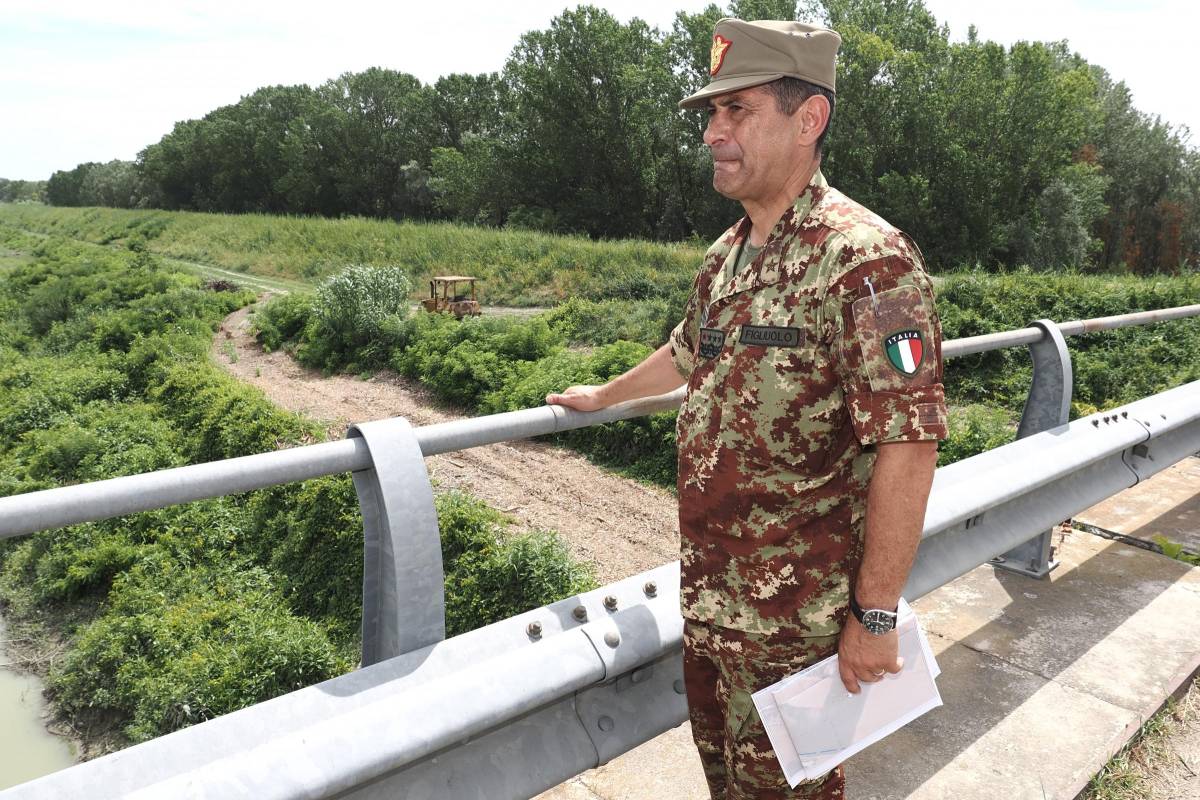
<point>815,724</point>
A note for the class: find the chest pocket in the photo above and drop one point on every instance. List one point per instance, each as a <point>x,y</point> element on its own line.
<point>768,398</point>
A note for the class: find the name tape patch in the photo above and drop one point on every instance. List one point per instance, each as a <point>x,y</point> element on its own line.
<point>766,336</point>
<point>711,342</point>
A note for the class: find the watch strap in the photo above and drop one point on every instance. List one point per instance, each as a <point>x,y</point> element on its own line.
<point>859,612</point>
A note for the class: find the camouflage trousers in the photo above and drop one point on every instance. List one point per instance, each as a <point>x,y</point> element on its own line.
<point>721,669</point>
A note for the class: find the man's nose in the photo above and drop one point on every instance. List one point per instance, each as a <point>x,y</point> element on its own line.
<point>714,131</point>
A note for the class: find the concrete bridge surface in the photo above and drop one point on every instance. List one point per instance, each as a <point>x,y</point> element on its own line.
<point>1043,681</point>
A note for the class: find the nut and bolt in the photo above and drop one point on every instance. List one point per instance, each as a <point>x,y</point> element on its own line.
<point>534,629</point>
<point>651,588</point>
<point>605,724</point>
<point>678,687</point>
<point>612,638</point>
<point>580,613</point>
<point>610,602</point>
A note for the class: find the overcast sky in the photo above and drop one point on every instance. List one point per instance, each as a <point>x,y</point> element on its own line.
<point>87,81</point>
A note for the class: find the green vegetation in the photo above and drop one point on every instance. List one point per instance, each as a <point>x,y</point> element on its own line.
<point>603,301</point>
<point>1177,551</point>
<point>1152,764</point>
<point>986,154</point>
<point>22,191</point>
<point>178,615</point>
<point>1110,367</point>
<point>517,267</point>
<point>494,364</point>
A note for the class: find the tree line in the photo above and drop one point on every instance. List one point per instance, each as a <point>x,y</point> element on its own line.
<point>990,155</point>
<point>16,191</point>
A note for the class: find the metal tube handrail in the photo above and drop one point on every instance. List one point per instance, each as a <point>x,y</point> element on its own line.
<point>69,505</point>
<point>969,345</point>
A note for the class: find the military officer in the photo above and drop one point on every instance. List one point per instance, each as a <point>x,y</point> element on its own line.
<point>808,435</point>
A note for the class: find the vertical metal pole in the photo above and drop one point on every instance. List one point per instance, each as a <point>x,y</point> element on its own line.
<point>404,604</point>
<point>1048,406</point>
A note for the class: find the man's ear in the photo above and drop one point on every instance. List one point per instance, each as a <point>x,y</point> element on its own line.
<point>814,116</point>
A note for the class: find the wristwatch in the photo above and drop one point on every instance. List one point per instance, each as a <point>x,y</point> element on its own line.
<point>875,620</point>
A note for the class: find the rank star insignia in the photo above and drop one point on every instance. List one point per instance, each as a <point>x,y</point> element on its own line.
<point>904,350</point>
<point>717,57</point>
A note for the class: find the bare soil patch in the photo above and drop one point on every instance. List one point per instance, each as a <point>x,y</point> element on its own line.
<point>618,525</point>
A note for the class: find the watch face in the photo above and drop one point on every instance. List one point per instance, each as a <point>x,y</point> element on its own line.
<point>878,622</point>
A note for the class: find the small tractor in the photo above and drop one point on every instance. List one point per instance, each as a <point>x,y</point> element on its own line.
<point>445,298</point>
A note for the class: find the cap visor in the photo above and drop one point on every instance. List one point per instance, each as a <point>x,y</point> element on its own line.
<point>725,86</point>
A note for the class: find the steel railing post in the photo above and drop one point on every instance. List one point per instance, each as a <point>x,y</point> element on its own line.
<point>404,605</point>
<point>1048,406</point>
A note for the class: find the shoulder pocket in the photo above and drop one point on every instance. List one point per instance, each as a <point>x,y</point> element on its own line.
<point>895,330</point>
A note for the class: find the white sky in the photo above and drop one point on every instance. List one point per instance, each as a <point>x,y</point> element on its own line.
<point>82,80</point>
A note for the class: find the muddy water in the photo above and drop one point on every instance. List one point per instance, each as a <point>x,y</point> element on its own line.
<point>27,751</point>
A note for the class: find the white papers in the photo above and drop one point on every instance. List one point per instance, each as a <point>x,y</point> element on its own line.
<point>815,724</point>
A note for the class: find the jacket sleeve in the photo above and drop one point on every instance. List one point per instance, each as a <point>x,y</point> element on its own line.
<point>886,342</point>
<point>683,338</point>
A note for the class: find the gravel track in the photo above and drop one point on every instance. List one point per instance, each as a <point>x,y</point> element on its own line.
<point>618,525</point>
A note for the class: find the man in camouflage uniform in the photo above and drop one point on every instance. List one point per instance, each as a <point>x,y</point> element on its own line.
<point>808,435</point>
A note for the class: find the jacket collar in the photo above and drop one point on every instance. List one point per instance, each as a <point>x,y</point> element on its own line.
<point>766,267</point>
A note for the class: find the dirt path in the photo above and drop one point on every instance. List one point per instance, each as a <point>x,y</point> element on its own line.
<point>619,525</point>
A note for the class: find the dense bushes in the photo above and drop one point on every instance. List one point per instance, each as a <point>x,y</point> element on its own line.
<point>492,575</point>
<point>179,645</point>
<point>495,364</point>
<point>1110,367</point>
<point>594,322</point>
<point>196,610</point>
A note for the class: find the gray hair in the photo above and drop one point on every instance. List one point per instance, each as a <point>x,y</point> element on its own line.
<point>791,92</point>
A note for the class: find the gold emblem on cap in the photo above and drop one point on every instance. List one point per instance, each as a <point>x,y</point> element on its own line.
<point>717,57</point>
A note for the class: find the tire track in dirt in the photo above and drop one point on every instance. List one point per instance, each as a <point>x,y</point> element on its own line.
<point>616,524</point>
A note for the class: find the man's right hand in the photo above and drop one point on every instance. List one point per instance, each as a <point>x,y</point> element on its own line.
<point>580,398</point>
<point>655,375</point>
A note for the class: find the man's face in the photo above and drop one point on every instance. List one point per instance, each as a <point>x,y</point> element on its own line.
<point>754,145</point>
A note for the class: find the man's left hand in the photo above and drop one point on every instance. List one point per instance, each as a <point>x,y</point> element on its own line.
<point>864,657</point>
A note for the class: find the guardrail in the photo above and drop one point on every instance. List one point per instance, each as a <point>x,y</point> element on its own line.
<point>519,706</point>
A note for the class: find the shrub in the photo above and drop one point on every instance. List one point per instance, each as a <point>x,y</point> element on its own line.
<point>101,440</point>
<point>224,418</point>
<point>602,322</point>
<point>464,361</point>
<point>310,535</point>
<point>491,575</point>
<point>283,319</point>
<point>974,429</point>
<point>37,392</point>
<point>182,645</point>
<point>352,311</point>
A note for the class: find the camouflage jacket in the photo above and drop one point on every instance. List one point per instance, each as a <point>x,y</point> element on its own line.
<point>824,345</point>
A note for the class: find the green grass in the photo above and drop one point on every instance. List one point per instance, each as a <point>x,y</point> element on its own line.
<point>1150,762</point>
<point>519,268</point>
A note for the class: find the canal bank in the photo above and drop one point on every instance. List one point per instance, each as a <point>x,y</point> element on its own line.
<point>27,749</point>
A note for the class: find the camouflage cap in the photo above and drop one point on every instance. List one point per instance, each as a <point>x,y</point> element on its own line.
<point>746,54</point>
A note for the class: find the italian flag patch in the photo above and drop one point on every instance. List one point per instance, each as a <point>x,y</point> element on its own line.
<point>904,350</point>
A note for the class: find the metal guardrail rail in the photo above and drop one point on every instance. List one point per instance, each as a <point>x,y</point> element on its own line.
<point>519,706</point>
